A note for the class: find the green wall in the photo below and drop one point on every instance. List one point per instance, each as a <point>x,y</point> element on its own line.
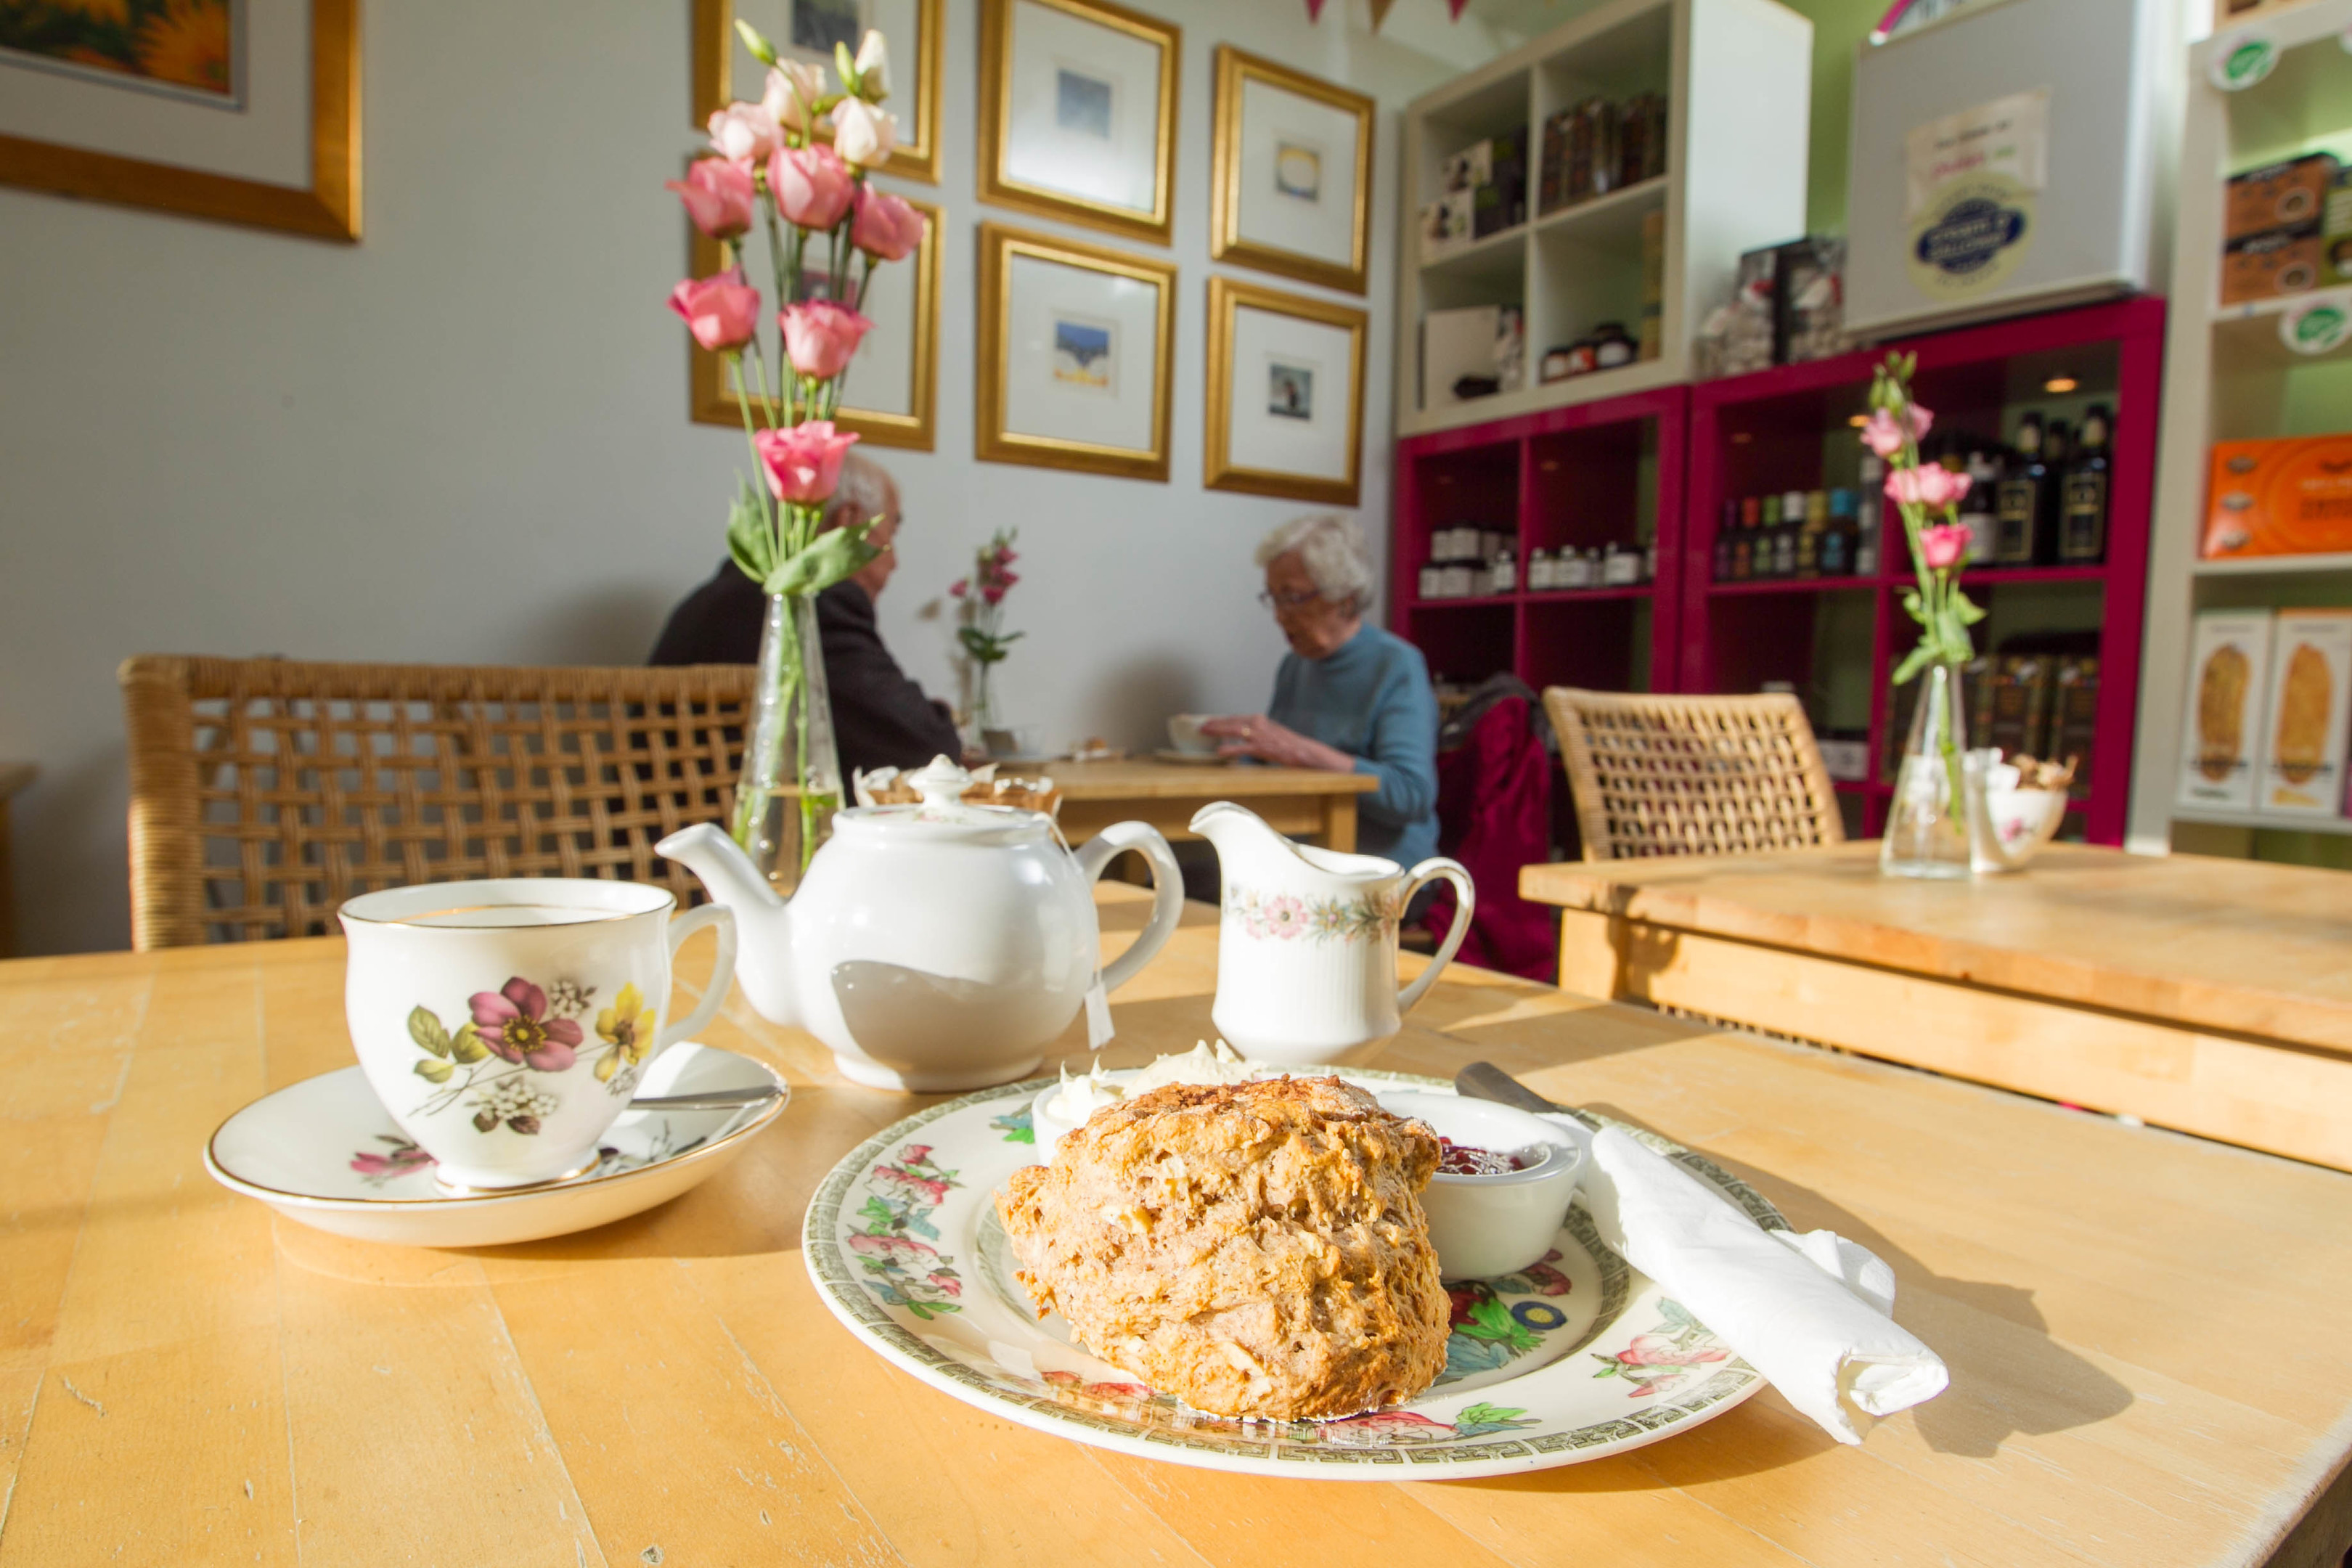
<point>1839,28</point>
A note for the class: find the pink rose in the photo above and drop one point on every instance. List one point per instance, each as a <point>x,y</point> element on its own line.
<point>1884,437</point>
<point>888,226</point>
<point>1943,546</point>
<point>1931,485</point>
<point>821,337</point>
<point>812,184</point>
<point>862,133</point>
<point>718,197</point>
<point>803,461</point>
<point>721,311</point>
<point>792,87</point>
<point>745,132</point>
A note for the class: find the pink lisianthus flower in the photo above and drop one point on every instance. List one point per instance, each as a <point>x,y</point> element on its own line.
<point>1943,545</point>
<point>993,593</point>
<point>813,187</point>
<point>1883,436</point>
<point>862,133</point>
<point>721,311</point>
<point>1931,485</point>
<point>718,197</point>
<point>803,461</point>
<point>821,337</point>
<point>959,588</point>
<point>745,132</point>
<point>888,227</point>
<point>514,1022</point>
<point>792,85</point>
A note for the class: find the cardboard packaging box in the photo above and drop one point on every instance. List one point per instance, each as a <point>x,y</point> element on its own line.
<point>2278,196</point>
<point>2266,266</point>
<point>2285,497</point>
<point>2305,721</point>
<point>2229,675</point>
<point>1479,344</point>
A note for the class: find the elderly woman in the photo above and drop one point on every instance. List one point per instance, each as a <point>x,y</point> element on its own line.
<point>1348,697</point>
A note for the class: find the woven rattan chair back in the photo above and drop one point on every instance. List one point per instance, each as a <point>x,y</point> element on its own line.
<point>263,793</point>
<point>1692,775</point>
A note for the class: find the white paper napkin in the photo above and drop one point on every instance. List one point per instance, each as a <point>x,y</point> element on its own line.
<point>1810,1312</point>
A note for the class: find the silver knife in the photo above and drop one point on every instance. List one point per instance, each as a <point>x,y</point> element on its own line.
<point>713,1100</point>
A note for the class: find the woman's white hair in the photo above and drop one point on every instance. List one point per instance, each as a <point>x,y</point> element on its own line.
<point>866,491</point>
<point>1331,547</point>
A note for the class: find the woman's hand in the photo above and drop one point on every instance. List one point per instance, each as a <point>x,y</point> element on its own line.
<point>1255,735</point>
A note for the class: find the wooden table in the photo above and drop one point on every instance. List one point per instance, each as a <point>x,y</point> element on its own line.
<point>1295,801</point>
<point>2210,996</point>
<point>2145,1330</point>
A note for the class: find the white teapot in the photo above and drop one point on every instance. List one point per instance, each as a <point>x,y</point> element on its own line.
<point>933,947</point>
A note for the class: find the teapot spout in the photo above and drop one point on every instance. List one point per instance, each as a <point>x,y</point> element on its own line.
<point>726,874</point>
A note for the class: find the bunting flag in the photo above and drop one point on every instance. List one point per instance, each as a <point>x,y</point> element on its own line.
<point>1381,13</point>
<point>1454,9</point>
<point>1314,10</point>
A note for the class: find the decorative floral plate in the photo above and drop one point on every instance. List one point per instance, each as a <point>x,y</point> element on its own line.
<point>325,1152</point>
<point>1575,1358</point>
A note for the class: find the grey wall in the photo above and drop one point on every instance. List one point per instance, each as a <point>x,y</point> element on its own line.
<point>464,439</point>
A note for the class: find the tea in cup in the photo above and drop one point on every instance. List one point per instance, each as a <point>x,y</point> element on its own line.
<point>504,1024</point>
<point>1184,733</point>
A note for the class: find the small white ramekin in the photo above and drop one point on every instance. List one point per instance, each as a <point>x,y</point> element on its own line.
<point>1488,1225</point>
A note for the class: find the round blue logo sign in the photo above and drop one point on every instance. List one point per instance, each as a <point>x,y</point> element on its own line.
<point>1969,236</point>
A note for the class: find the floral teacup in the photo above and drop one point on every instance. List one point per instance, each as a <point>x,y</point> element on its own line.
<point>504,1024</point>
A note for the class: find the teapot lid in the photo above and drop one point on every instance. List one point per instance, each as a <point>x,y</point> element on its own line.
<point>941,783</point>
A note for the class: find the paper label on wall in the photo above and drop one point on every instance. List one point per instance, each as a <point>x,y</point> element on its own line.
<point>1971,236</point>
<point>2007,138</point>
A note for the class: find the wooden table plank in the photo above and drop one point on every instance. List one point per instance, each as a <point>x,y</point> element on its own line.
<point>1301,802</point>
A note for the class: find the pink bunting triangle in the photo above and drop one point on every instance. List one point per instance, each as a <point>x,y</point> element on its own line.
<point>1314,10</point>
<point>1454,9</point>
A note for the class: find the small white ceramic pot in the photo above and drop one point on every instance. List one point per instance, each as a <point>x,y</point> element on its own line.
<point>1184,734</point>
<point>504,1024</point>
<point>1484,1226</point>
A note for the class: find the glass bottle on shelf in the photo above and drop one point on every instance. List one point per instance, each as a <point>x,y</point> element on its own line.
<point>2057,454</point>
<point>2082,521</point>
<point>1977,513</point>
<point>1837,540</point>
<point>2017,498</point>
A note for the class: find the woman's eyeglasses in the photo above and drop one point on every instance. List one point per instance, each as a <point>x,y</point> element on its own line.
<point>1278,602</point>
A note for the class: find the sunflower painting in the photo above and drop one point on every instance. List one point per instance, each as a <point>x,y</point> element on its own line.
<point>182,47</point>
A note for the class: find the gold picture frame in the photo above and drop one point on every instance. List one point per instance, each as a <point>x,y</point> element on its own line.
<point>916,158</point>
<point>711,401</point>
<point>328,208</point>
<point>1000,188</point>
<point>1235,69</point>
<point>1220,468</point>
<point>994,442</point>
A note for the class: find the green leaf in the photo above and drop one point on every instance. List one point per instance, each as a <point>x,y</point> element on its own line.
<point>1918,660</point>
<point>761,50</point>
<point>1966,609</point>
<point>846,64</point>
<point>435,1071</point>
<point>427,1031</point>
<point>465,1047</point>
<point>747,539</point>
<point>827,561</point>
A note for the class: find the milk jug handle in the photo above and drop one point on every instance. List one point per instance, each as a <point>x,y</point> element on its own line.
<point>1464,901</point>
<point>1167,892</point>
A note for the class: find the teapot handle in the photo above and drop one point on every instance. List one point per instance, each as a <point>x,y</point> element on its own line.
<point>1465,901</point>
<point>1167,892</point>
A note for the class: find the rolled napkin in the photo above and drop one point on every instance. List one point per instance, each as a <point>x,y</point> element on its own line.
<point>1810,1311</point>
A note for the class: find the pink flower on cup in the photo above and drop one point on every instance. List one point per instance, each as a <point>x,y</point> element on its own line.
<point>514,1022</point>
<point>1285,916</point>
<point>813,187</point>
<point>720,311</point>
<point>1657,1349</point>
<point>803,461</point>
<point>745,132</point>
<point>1883,436</point>
<point>821,337</point>
<point>1931,485</point>
<point>862,133</point>
<point>718,197</point>
<point>888,227</point>
<point>1943,545</point>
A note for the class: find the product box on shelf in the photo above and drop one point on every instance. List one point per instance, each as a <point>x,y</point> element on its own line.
<point>2074,719</point>
<point>2277,196</point>
<point>2304,723</point>
<point>2229,674</point>
<point>2286,497</point>
<point>2268,266</point>
<point>1474,351</point>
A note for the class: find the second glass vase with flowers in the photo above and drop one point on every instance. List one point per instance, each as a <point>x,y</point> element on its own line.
<point>827,228</point>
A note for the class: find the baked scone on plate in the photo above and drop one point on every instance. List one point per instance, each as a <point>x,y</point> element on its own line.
<point>1256,1249</point>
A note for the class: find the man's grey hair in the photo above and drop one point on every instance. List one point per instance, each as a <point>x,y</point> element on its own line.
<point>866,491</point>
<point>1331,547</point>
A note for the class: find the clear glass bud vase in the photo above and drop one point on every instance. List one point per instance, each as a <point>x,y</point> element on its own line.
<point>791,785</point>
<point>1927,820</point>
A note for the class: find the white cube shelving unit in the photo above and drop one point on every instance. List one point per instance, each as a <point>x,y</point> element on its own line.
<point>1736,76</point>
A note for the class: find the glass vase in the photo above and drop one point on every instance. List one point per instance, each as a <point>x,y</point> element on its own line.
<point>791,785</point>
<point>1927,820</point>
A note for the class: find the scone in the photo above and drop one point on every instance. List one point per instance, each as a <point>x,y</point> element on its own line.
<point>1256,1249</point>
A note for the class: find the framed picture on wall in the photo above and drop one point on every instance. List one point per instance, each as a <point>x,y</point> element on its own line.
<point>1077,114</point>
<point>1075,349</point>
<point>1285,398</point>
<point>1291,188</point>
<point>725,72</point>
<point>246,111</point>
<point>889,393</point>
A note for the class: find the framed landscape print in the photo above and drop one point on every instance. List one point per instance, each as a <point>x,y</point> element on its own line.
<point>1077,114</point>
<point>1291,191</point>
<point>1075,349</point>
<point>1286,395</point>
<point>246,111</point>
<point>890,392</point>
<point>724,71</point>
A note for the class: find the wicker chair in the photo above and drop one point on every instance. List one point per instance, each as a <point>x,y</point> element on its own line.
<point>1692,775</point>
<point>263,793</point>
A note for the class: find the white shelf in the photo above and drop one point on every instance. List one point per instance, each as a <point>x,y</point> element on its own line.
<point>2272,566</point>
<point>1504,251</point>
<point>2246,336</point>
<point>1642,375</point>
<point>2264,820</point>
<point>1615,220</point>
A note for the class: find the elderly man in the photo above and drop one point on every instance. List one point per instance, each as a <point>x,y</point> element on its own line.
<point>1348,697</point>
<point>879,716</point>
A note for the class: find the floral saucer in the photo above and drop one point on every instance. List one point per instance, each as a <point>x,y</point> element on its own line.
<point>324,1153</point>
<point>1575,1357</point>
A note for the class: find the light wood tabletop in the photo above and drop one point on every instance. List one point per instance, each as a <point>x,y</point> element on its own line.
<point>2212,996</point>
<point>2144,1371</point>
<point>1298,801</point>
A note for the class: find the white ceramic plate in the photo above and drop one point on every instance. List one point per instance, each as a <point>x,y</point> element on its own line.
<point>1578,1357</point>
<point>325,1152</point>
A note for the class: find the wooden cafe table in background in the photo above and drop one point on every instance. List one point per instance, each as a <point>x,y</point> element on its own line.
<point>2145,1332</point>
<point>1297,801</point>
<point>2210,996</point>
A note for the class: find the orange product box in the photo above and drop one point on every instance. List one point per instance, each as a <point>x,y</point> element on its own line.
<point>2277,195</point>
<point>2290,496</point>
<point>2283,262</point>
